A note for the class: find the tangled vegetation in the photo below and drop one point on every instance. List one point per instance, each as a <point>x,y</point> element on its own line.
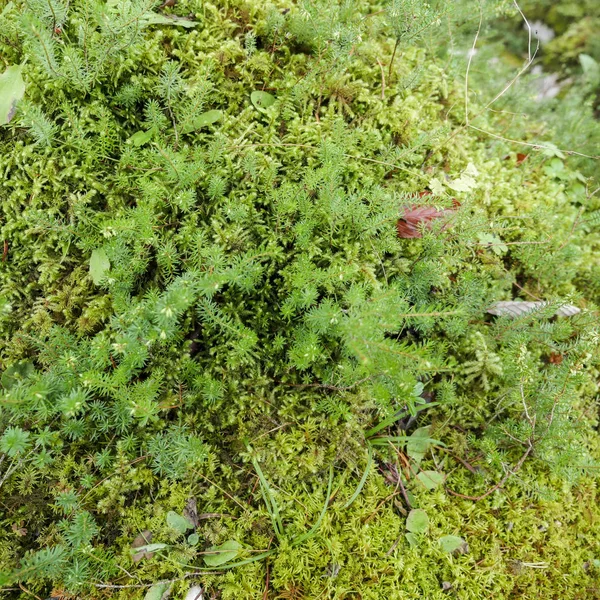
<point>249,324</point>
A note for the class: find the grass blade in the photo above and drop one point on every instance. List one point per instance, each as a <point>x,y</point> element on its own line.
<point>313,530</point>
<point>363,479</point>
<point>396,417</point>
<point>270,501</point>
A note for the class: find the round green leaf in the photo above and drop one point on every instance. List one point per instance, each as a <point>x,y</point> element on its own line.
<point>177,522</point>
<point>419,442</point>
<point>450,543</point>
<point>262,100</point>
<point>417,521</point>
<point>193,539</point>
<point>156,591</point>
<point>430,479</point>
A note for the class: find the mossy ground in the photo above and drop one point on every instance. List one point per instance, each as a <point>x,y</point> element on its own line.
<point>339,120</point>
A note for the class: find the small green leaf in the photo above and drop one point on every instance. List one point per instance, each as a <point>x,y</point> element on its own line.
<point>206,118</point>
<point>99,264</point>
<point>157,591</point>
<point>417,521</point>
<point>12,90</point>
<point>450,543</point>
<point>412,539</point>
<point>178,523</point>
<point>494,243</point>
<point>223,553</point>
<point>148,548</point>
<point>193,539</point>
<point>430,479</point>
<point>142,137</point>
<point>262,100</point>
<point>550,149</point>
<point>467,181</point>
<point>436,187</point>
<point>418,443</point>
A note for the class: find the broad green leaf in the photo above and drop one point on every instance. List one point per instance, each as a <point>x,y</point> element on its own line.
<point>156,19</point>
<point>99,264</point>
<point>450,543</point>
<point>157,591</point>
<point>193,539</point>
<point>142,137</point>
<point>417,521</point>
<point>262,100</point>
<point>12,90</point>
<point>206,118</point>
<point>412,539</point>
<point>419,443</point>
<point>223,553</point>
<point>16,373</point>
<point>430,479</point>
<point>178,523</point>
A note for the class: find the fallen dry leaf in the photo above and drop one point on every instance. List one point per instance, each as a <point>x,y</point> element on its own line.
<point>190,512</point>
<point>143,539</point>
<point>415,217</point>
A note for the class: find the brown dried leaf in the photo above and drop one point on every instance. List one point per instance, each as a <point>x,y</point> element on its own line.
<point>142,539</point>
<point>416,217</point>
<point>555,358</point>
<point>190,512</point>
<point>19,529</point>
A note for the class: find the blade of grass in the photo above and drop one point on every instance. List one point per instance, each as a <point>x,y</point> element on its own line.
<point>270,501</point>
<point>363,479</point>
<point>313,530</point>
<point>396,417</point>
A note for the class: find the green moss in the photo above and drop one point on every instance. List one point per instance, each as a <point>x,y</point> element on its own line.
<point>256,313</point>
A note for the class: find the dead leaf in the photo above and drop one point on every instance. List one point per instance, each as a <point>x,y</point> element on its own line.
<point>143,539</point>
<point>417,216</point>
<point>521,158</point>
<point>190,512</point>
<point>19,529</point>
<point>518,308</point>
<point>555,358</point>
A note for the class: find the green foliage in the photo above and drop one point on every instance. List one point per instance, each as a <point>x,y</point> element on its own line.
<point>221,363</point>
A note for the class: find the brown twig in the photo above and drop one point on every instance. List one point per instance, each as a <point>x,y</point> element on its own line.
<point>266,592</point>
<point>500,483</point>
<point>28,591</point>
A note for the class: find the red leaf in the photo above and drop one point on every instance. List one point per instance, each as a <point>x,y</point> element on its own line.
<point>416,216</point>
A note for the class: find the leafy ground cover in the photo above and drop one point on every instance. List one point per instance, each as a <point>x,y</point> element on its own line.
<point>250,331</point>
